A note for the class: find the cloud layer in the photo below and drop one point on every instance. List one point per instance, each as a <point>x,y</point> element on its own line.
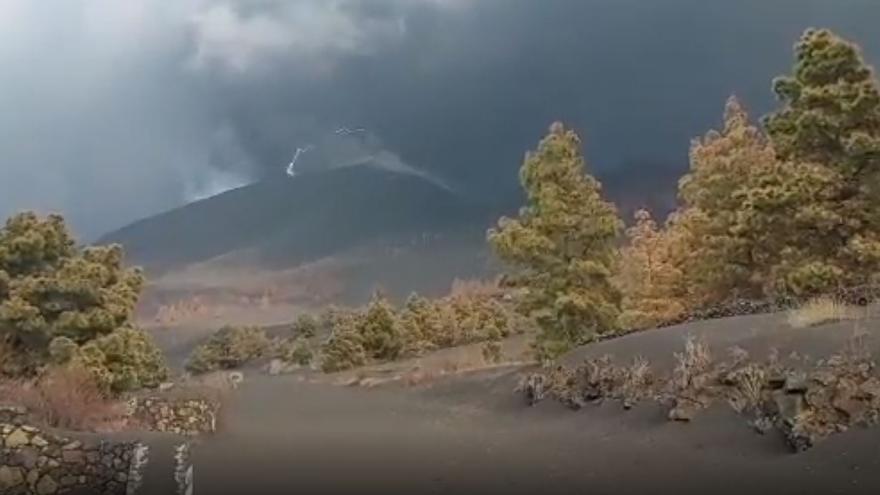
<point>110,111</point>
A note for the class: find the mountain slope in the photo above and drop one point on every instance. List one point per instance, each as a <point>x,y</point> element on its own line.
<point>318,238</point>
<point>289,221</point>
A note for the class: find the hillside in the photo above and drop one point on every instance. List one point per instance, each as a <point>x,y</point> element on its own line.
<point>291,220</point>
<point>319,237</point>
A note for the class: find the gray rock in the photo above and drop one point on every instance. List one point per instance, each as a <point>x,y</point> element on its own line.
<point>788,406</point>
<point>73,457</point>
<point>684,411</point>
<point>16,439</point>
<point>27,457</point>
<point>46,486</point>
<point>796,383</point>
<point>10,477</point>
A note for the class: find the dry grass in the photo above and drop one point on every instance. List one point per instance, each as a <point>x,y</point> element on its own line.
<point>637,381</point>
<point>693,365</point>
<point>823,310</point>
<point>748,393</point>
<point>67,398</point>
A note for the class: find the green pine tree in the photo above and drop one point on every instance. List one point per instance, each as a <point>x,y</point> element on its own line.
<point>562,246</point>
<point>380,330</point>
<point>54,291</point>
<point>830,117</point>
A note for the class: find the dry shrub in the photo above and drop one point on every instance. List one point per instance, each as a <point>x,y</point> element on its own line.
<point>637,381</point>
<point>67,398</point>
<point>492,352</point>
<point>693,366</point>
<point>748,392</point>
<point>823,310</point>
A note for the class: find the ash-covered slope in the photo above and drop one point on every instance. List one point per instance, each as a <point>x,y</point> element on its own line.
<point>293,220</point>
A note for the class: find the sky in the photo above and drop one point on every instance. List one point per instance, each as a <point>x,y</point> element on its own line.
<point>112,110</point>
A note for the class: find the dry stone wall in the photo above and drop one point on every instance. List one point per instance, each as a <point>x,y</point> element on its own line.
<point>33,461</point>
<point>181,417</point>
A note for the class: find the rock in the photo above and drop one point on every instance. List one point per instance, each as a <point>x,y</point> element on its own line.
<point>796,383</point>
<point>10,477</point>
<point>788,406</point>
<point>13,410</point>
<point>762,425</point>
<point>164,387</point>
<point>39,441</point>
<point>46,486</point>
<point>72,446</point>
<point>776,381</point>
<point>276,367</point>
<point>684,411</point>
<point>16,439</point>
<point>824,377</point>
<point>27,457</point>
<point>73,457</point>
<point>846,400</point>
<point>870,388</point>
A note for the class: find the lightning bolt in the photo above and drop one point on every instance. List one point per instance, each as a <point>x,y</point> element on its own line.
<point>296,156</point>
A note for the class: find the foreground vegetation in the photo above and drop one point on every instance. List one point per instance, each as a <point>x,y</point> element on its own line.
<point>788,209</point>
<point>375,333</point>
<point>806,400</point>
<point>66,306</point>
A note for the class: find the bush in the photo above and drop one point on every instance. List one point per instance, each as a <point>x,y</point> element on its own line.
<point>380,330</point>
<point>295,351</point>
<point>124,360</point>
<point>381,333</point>
<point>60,303</point>
<point>229,348</point>
<point>344,350</point>
<point>66,397</point>
<point>131,360</point>
<point>305,326</point>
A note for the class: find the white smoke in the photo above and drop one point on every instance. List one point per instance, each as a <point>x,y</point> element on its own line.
<point>213,183</point>
<point>353,147</point>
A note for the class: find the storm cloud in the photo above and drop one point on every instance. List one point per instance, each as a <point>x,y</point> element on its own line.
<point>111,111</point>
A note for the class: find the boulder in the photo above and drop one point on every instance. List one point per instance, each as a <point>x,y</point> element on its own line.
<point>10,477</point>
<point>17,438</point>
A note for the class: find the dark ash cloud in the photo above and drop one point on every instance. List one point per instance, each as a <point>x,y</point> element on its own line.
<point>110,111</point>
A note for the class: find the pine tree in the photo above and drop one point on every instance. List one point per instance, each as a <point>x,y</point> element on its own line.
<point>562,246</point>
<point>649,277</point>
<point>831,118</point>
<point>380,330</point>
<point>724,259</point>
<point>746,224</point>
<point>51,289</point>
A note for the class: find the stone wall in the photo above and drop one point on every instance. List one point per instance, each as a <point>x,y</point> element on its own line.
<point>33,461</point>
<point>181,417</point>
